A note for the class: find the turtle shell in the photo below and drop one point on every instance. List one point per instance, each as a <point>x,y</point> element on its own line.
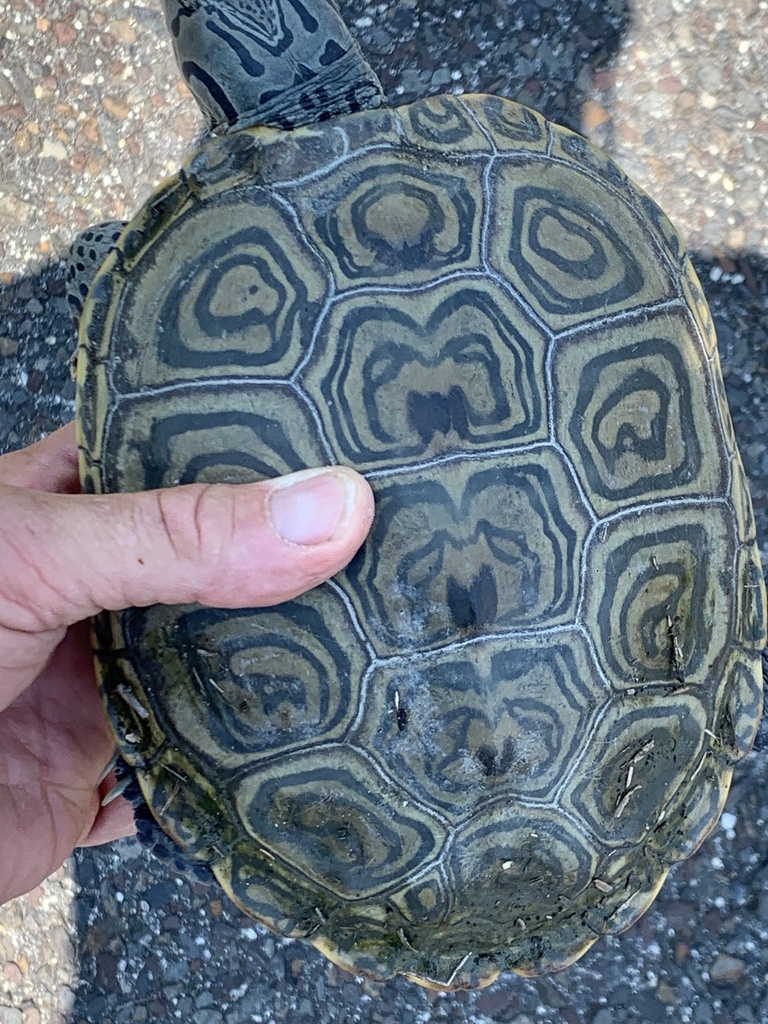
<point>485,742</point>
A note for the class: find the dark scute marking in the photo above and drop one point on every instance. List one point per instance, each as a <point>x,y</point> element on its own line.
<point>475,605</point>
<point>213,324</point>
<point>743,703</point>
<point>331,824</point>
<point>753,618</point>
<point>255,708</point>
<point>404,577</point>
<point>484,405</point>
<point>446,126</point>
<point>526,130</point>
<point>575,145</point>
<point>590,269</point>
<point>497,762</point>
<point>243,705</point>
<point>475,727</point>
<point>411,256</point>
<point>671,732</point>
<point>649,620</point>
<point>652,448</point>
<point>438,414</point>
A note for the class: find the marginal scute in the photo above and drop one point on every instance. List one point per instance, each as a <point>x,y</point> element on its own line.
<point>439,123</point>
<point>426,900</point>
<point>208,826</point>
<point>750,597</point>
<point>696,304</point>
<point>699,811</point>
<point>725,416</point>
<point>740,700</point>
<point>228,161</point>
<point>485,742</point>
<point>141,734</point>
<point>264,886</point>
<point>291,156</point>
<point>91,387</point>
<point>742,502</point>
<point>511,126</point>
<point>369,128</point>
<point>577,150</point>
<point>633,906</point>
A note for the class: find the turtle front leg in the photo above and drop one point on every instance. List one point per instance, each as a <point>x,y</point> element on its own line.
<point>87,254</point>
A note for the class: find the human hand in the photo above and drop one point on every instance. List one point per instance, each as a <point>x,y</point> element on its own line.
<point>65,556</point>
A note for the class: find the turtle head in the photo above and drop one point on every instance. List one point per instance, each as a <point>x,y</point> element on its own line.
<point>282,63</point>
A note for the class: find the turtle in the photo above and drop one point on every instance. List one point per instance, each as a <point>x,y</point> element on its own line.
<point>485,742</point>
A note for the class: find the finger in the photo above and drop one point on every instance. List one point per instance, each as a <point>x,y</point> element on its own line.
<point>67,557</point>
<point>54,743</point>
<point>115,821</point>
<point>50,465</point>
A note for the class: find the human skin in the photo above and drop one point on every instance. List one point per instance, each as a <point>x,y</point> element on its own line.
<point>65,556</point>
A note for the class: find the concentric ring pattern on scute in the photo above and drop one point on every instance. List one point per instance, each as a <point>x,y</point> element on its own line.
<point>486,741</point>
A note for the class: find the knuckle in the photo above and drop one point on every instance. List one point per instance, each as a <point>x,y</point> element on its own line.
<point>167,519</point>
<point>197,521</point>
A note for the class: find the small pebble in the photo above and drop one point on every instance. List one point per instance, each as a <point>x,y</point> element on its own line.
<point>727,968</point>
<point>728,823</point>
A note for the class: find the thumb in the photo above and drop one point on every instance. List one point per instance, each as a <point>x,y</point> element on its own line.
<point>65,557</point>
